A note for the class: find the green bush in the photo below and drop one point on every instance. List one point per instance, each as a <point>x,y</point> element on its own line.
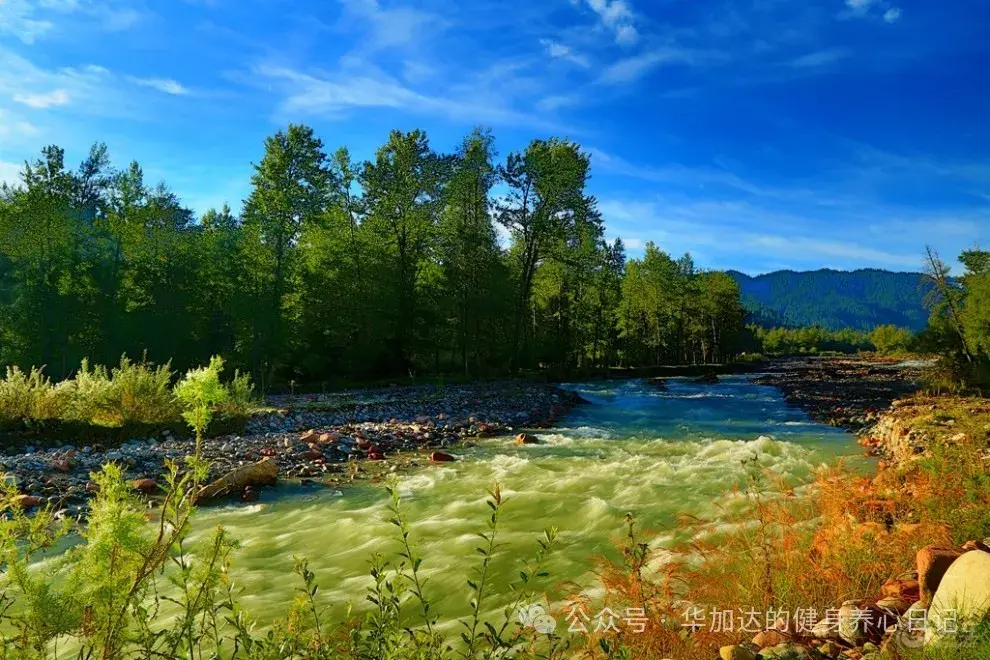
<point>133,395</point>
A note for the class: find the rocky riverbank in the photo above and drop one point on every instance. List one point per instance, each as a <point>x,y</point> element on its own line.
<point>329,438</point>
<point>848,392</point>
<point>926,508</point>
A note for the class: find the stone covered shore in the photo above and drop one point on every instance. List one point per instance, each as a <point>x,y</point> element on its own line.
<point>324,438</point>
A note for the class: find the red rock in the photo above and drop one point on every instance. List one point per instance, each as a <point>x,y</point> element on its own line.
<point>375,456</point>
<point>933,562</point>
<point>527,439</point>
<point>61,465</point>
<point>902,588</point>
<point>26,502</point>
<point>440,457</point>
<point>146,486</point>
<point>249,495</point>
<point>311,454</point>
<point>92,487</point>
<point>308,436</point>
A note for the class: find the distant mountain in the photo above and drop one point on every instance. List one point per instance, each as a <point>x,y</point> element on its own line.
<point>834,299</point>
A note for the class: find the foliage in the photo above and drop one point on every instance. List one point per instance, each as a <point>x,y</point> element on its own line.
<point>806,341</point>
<point>334,269</point>
<point>891,340</point>
<point>132,394</point>
<point>107,596</point>
<point>959,326</point>
<point>860,299</point>
<point>199,392</point>
<point>670,313</point>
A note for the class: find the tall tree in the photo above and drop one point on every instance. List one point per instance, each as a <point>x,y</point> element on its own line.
<point>290,187</point>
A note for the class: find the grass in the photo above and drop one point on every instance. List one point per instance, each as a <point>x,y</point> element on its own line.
<point>785,550</point>
<point>132,395</point>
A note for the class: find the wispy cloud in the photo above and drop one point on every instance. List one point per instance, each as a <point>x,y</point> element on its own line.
<point>31,20</point>
<point>820,58</point>
<point>891,15</point>
<point>391,27</point>
<point>633,68</point>
<point>874,8</point>
<point>43,100</point>
<point>558,50</point>
<point>617,17</point>
<point>164,85</point>
<point>361,86</point>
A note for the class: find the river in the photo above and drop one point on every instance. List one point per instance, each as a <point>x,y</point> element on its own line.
<point>634,449</point>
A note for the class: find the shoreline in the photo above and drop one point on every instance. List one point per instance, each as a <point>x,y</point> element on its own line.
<point>327,439</point>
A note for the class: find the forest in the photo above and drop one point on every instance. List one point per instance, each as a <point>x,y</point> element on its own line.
<point>413,261</point>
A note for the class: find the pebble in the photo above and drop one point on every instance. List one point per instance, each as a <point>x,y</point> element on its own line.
<point>377,424</point>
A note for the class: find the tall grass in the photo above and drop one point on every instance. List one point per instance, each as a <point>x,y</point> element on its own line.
<point>779,550</point>
<point>130,394</point>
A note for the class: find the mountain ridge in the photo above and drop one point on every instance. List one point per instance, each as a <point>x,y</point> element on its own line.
<point>861,299</point>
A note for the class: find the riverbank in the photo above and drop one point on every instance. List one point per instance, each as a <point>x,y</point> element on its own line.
<point>891,565</point>
<point>324,438</point>
<point>850,392</point>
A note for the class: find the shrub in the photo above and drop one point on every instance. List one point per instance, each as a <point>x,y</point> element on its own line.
<point>200,392</point>
<point>29,396</point>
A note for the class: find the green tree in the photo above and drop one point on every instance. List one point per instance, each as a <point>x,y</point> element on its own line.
<point>290,187</point>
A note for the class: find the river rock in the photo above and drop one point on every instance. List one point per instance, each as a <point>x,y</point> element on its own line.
<point>527,439</point>
<point>962,595</point>
<point>933,562</point>
<point>441,457</point>
<point>26,502</point>
<point>769,638</point>
<point>787,651</point>
<point>262,473</point>
<point>852,627</point>
<point>146,486</point>
<point>736,652</point>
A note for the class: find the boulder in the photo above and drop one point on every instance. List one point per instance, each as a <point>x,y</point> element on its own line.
<point>963,595</point>
<point>262,473</point>
<point>909,634</point>
<point>527,439</point>
<point>441,457</point>
<point>933,562</point>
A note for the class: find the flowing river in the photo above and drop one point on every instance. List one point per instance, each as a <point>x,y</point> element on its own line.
<point>634,449</point>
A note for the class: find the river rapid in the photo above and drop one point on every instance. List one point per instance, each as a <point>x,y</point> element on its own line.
<point>633,448</point>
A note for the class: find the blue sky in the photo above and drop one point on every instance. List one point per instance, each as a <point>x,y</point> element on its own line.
<point>756,134</point>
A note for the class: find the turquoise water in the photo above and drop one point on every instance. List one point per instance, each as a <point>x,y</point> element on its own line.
<point>633,449</point>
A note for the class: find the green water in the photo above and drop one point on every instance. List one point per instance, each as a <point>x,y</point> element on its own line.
<point>633,449</point>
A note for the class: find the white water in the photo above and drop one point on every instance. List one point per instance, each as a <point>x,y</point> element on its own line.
<point>633,449</point>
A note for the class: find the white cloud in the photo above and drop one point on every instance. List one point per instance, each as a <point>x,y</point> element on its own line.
<point>617,17</point>
<point>558,50</point>
<point>820,58</point>
<point>10,173</point>
<point>43,100</point>
<point>892,14</point>
<point>860,6</point>
<point>633,68</point>
<point>363,86</point>
<point>393,27</point>
<point>164,85</point>
<point>30,20</point>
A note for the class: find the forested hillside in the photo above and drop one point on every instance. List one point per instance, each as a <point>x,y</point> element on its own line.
<point>343,269</point>
<point>859,299</point>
